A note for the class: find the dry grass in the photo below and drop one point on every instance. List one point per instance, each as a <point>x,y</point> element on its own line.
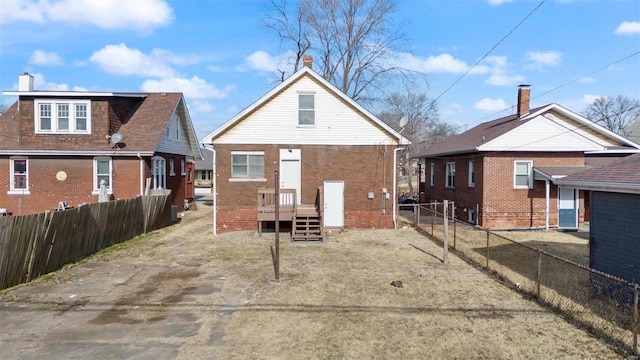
<point>333,300</point>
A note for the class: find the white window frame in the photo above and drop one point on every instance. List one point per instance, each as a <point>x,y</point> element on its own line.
<point>96,182</point>
<point>158,173</point>
<point>54,116</point>
<point>183,170</point>
<point>529,174</point>
<point>472,173</point>
<point>432,175</point>
<point>172,168</point>
<point>246,177</point>
<point>450,173</point>
<point>307,110</point>
<point>12,174</point>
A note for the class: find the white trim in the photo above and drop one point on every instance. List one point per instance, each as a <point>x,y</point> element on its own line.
<point>248,154</point>
<point>314,109</point>
<point>183,168</point>
<point>471,171</point>
<point>529,172</point>
<point>96,185</point>
<point>54,118</point>
<point>156,176</point>
<point>246,179</point>
<point>172,168</point>
<point>12,188</point>
<point>284,85</point>
<point>432,175</point>
<point>446,175</point>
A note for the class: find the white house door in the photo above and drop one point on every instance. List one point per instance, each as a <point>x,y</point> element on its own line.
<point>334,204</point>
<point>567,208</point>
<point>290,176</point>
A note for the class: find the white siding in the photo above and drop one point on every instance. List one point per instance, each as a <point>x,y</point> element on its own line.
<point>170,144</point>
<point>548,134</point>
<point>276,122</point>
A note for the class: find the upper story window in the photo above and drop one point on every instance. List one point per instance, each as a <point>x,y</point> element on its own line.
<point>19,175</point>
<point>472,173</point>
<point>523,174</point>
<point>450,179</point>
<point>58,116</point>
<point>247,164</point>
<point>306,109</point>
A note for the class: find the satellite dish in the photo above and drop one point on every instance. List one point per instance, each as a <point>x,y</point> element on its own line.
<point>403,121</point>
<point>115,138</point>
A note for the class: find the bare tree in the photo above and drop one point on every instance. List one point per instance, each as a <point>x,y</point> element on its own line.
<point>352,41</point>
<point>423,125</point>
<point>614,114</point>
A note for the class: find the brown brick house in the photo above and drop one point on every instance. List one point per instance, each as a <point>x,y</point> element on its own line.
<point>500,174</point>
<point>57,146</point>
<point>330,152</point>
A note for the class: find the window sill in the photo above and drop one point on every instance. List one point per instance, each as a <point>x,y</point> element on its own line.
<point>18,192</point>
<point>97,192</point>
<point>247,179</point>
<point>172,174</point>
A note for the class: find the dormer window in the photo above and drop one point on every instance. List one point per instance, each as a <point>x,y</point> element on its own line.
<point>58,116</point>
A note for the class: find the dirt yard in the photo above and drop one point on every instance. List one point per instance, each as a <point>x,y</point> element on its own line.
<point>184,293</point>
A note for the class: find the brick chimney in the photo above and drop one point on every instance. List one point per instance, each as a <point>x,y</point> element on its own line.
<point>307,60</point>
<point>524,94</point>
<point>25,82</point>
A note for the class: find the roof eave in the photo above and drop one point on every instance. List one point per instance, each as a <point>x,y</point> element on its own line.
<point>74,94</point>
<point>631,188</point>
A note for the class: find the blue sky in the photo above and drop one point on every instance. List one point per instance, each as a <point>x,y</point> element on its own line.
<point>217,53</point>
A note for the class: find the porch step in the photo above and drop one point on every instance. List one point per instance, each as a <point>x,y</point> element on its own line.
<point>306,225</point>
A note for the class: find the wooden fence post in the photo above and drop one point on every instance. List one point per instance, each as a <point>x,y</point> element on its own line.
<point>487,255</point>
<point>538,272</point>
<point>445,247</point>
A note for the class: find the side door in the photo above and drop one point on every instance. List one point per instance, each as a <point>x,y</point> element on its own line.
<point>334,204</point>
<point>290,175</point>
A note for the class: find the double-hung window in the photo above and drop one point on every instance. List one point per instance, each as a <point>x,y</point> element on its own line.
<point>247,165</point>
<point>182,168</point>
<point>172,168</point>
<point>158,172</point>
<point>450,170</point>
<point>19,176</point>
<point>472,173</point>
<point>306,109</point>
<point>523,174</point>
<point>62,116</point>
<point>102,170</point>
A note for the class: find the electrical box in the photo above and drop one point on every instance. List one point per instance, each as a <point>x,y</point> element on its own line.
<point>384,190</point>
<point>387,196</point>
<point>370,195</point>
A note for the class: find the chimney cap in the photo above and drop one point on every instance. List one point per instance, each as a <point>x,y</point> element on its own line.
<point>524,85</point>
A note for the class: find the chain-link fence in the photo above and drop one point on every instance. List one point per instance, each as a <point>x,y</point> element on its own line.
<point>603,304</point>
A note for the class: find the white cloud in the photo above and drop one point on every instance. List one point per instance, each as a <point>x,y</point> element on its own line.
<point>263,61</point>
<point>586,80</point>
<point>588,99</point>
<point>504,80</point>
<point>45,58</point>
<point>194,88</point>
<point>131,61</point>
<point>19,10</point>
<point>498,2</point>
<point>201,107</point>
<point>140,15</point>
<point>451,109</point>
<point>539,59</point>
<point>41,83</point>
<point>628,28</point>
<point>443,63</point>
<point>487,104</point>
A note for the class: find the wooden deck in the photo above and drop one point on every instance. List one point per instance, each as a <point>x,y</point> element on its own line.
<point>306,219</point>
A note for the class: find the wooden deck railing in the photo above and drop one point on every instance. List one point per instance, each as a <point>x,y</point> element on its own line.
<point>267,204</point>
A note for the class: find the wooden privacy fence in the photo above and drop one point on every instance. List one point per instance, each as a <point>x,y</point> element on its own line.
<point>606,305</point>
<point>34,245</point>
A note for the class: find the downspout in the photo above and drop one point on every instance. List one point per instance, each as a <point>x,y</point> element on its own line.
<point>141,174</point>
<point>215,193</point>
<point>546,204</point>
<point>395,175</point>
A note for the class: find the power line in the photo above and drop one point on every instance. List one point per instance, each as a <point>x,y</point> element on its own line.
<point>488,52</point>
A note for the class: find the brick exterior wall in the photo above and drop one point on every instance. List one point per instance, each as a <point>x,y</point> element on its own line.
<point>107,115</point>
<point>501,205</point>
<point>363,169</point>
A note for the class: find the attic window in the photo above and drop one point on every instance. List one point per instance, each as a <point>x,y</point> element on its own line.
<point>56,116</point>
<point>306,109</point>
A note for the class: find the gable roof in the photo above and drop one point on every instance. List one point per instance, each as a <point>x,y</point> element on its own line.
<point>494,135</point>
<point>141,133</point>
<point>620,175</point>
<point>206,163</point>
<point>304,71</point>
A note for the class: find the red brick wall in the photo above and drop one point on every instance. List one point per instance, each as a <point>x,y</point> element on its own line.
<point>363,169</point>
<point>501,206</point>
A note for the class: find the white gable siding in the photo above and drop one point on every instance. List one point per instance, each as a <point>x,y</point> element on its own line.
<point>547,134</point>
<point>276,122</point>
<point>170,144</point>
